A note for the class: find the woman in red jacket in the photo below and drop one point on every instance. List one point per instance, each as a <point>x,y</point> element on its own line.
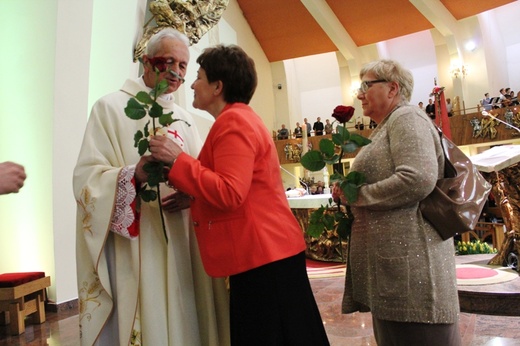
<point>244,226</point>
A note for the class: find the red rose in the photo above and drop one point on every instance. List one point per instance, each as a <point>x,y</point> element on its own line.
<point>343,113</point>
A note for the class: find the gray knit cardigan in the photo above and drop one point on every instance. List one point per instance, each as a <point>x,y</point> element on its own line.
<point>398,267</point>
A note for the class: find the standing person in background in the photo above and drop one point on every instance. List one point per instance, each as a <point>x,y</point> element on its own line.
<point>308,127</point>
<point>399,268</point>
<point>12,177</point>
<point>430,109</point>
<point>298,131</point>
<point>134,286</point>
<point>449,107</point>
<point>421,106</point>
<point>318,127</point>
<point>238,216</point>
<point>328,127</point>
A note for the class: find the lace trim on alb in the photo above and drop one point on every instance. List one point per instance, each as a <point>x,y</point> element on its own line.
<point>124,215</point>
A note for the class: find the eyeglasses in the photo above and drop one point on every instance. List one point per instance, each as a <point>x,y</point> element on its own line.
<point>365,85</point>
<point>161,64</point>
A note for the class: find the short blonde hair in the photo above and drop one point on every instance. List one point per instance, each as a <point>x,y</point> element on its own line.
<point>391,71</point>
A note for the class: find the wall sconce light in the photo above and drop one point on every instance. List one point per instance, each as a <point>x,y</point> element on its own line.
<point>354,89</point>
<point>459,71</point>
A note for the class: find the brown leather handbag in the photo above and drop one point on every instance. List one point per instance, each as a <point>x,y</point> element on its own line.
<point>455,205</point>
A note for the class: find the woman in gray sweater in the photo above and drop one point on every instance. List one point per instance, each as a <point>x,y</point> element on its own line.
<point>399,267</point>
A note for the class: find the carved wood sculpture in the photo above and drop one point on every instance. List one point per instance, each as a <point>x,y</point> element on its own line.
<point>506,189</point>
<point>191,17</point>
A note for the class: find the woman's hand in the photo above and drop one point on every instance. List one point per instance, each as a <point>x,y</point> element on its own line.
<point>176,201</point>
<point>164,149</point>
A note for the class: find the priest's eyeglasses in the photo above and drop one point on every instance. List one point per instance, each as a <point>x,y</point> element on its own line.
<point>365,85</point>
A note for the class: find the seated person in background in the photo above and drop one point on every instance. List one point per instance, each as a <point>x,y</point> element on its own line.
<point>487,102</point>
<point>516,100</point>
<point>283,133</point>
<point>360,126</point>
<point>298,131</point>
<point>506,101</point>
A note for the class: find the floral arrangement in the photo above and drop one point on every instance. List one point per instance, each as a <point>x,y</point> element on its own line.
<point>138,107</point>
<point>473,247</point>
<point>330,152</point>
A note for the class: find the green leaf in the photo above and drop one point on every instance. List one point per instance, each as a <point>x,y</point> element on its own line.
<point>146,130</point>
<point>343,132</point>
<point>148,195</point>
<point>166,119</point>
<point>328,221</point>
<point>327,147</point>
<point>330,161</point>
<point>162,87</point>
<point>155,172</point>
<point>144,97</point>
<point>350,191</point>
<point>315,230</point>
<point>338,139</point>
<point>134,110</point>
<point>349,147</point>
<point>344,227</point>
<point>313,161</point>
<point>137,137</point>
<point>337,177</point>
<point>356,178</point>
<point>156,110</point>
<point>359,140</point>
<point>143,146</point>
<point>317,215</point>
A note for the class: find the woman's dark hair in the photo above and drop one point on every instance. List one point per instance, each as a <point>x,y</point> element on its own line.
<point>234,68</point>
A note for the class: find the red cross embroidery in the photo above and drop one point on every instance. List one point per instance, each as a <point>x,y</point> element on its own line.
<point>176,135</point>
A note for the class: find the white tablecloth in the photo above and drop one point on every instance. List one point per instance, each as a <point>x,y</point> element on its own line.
<point>309,201</point>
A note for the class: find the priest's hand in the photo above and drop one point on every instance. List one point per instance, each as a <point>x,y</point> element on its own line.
<point>140,174</point>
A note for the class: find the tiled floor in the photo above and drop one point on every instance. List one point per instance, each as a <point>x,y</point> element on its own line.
<point>352,330</point>
<point>356,329</point>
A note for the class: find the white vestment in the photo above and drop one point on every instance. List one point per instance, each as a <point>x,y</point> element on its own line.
<point>141,290</point>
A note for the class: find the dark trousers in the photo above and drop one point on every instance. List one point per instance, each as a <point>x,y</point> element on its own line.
<point>274,305</point>
<point>391,333</point>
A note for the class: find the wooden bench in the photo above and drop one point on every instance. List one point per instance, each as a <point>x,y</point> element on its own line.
<point>22,295</point>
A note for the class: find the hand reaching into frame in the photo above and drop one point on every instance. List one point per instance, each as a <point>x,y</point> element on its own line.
<point>12,177</point>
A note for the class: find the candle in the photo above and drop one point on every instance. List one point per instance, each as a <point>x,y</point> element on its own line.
<point>305,143</point>
<point>305,147</point>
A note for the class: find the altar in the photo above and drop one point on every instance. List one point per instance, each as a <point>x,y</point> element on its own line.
<point>500,166</point>
<point>327,247</point>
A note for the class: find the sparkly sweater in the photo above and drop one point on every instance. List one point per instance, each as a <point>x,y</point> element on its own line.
<point>399,267</point>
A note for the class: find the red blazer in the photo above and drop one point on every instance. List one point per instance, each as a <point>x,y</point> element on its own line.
<point>241,214</point>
